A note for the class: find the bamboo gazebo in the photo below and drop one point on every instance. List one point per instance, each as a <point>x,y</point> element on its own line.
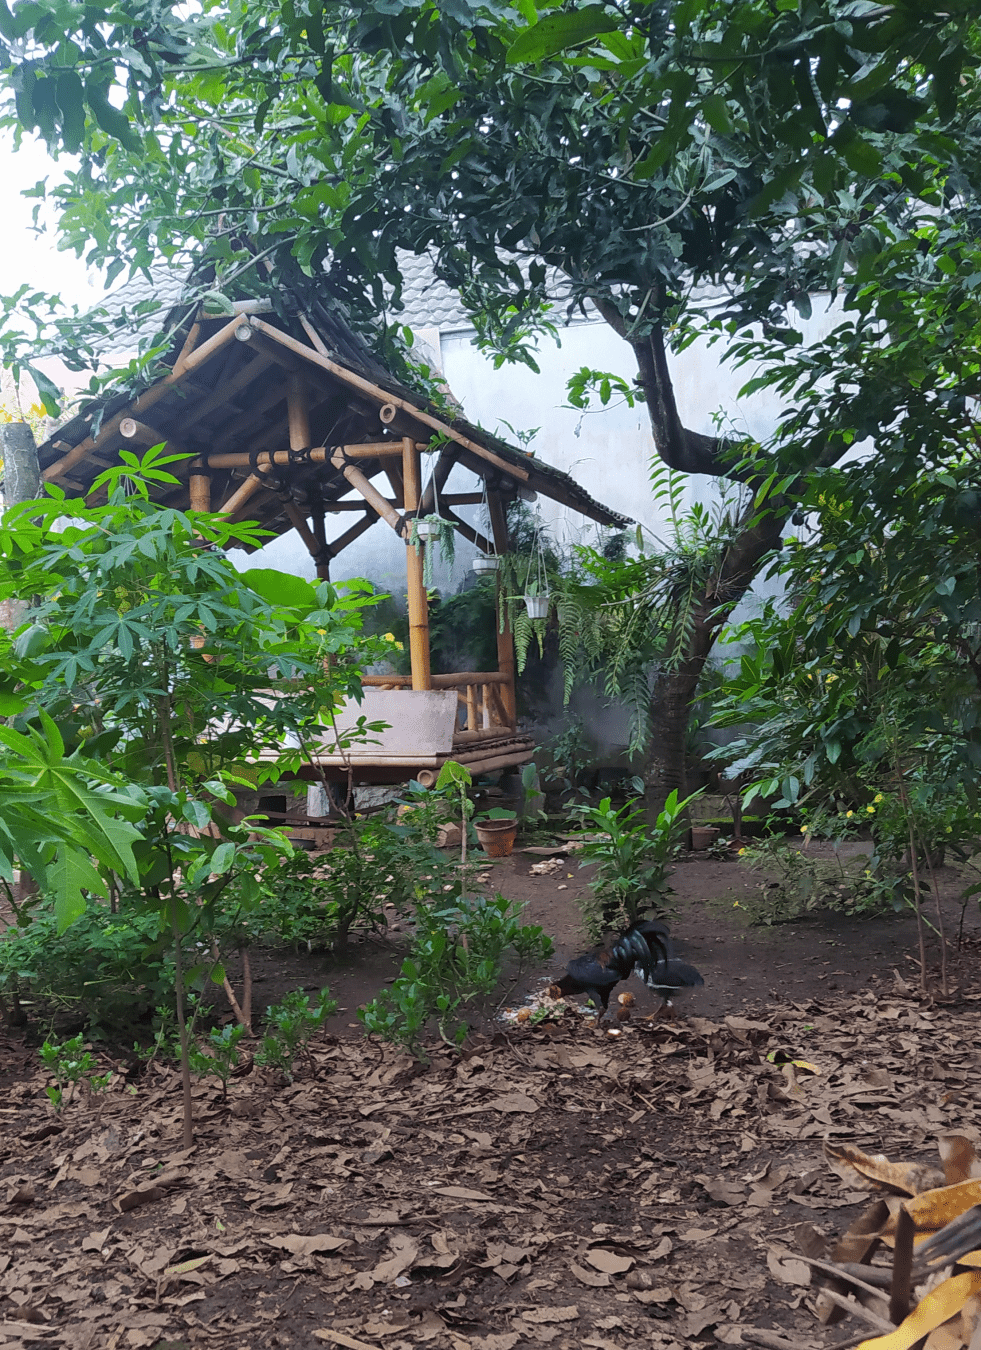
<point>291,422</point>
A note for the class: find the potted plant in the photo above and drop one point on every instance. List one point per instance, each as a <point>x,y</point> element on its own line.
<point>486,564</point>
<point>497,831</point>
<point>433,531</point>
<point>535,604</point>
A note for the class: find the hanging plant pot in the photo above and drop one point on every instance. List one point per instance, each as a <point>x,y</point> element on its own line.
<point>426,530</point>
<point>537,606</point>
<point>485,565</point>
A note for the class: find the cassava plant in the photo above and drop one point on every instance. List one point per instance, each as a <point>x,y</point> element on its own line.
<point>170,672</point>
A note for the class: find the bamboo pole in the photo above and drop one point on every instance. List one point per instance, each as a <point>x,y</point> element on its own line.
<point>472,708</point>
<point>505,638</point>
<point>238,498</point>
<point>200,491</point>
<point>371,495</point>
<point>241,459</point>
<point>298,412</point>
<point>415,586</point>
<point>366,387</point>
<point>194,332</point>
<point>146,400</point>
<point>304,531</point>
<point>455,681</point>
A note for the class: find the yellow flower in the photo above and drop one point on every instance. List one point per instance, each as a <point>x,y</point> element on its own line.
<point>389,637</point>
<point>322,632</point>
<point>849,814</point>
<point>877,798</point>
<point>803,829</point>
<point>741,852</point>
<point>736,904</point>
<point>870,810</point>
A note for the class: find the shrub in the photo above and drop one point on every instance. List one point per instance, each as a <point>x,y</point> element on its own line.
<point>633,858</point>
<point>456,957</point>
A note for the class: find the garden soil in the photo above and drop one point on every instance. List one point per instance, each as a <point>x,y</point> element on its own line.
<point>558,1184</point>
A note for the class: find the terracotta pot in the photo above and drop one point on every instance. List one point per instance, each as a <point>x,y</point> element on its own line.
<point>702,836</point>
<point>497,836</point>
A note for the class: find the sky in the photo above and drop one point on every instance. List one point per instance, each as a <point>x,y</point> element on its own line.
<point>26,256</point>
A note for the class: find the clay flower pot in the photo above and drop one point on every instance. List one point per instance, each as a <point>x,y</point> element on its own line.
<point>497,836</point>
<point>703,836</point>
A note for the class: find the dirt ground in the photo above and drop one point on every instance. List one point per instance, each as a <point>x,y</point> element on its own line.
<point>556,1185</point>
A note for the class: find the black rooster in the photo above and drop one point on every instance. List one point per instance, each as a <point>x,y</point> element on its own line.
<point>670,976</point>
<point>644,945</point>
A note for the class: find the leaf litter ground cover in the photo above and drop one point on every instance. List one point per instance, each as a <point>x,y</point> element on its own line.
<point>557,1187</point>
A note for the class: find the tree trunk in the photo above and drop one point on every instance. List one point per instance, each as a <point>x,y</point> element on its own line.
<point>758,534</point>
<point>21,483</point>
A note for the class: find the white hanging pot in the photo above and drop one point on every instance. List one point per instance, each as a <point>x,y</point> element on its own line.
<point>485,564</point>
<point>426,530</point>
<point>537,606</point>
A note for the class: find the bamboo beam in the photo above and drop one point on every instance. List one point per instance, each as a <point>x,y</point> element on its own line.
<point>415,586</point>
<point>240,459</point>
<point>247,421</point>
<point>194,332</point>
<point>144,434</point>
<point>383,397</point>
<point>505,638</point>
<point>146,400</point>
<point>227,391</point>
<point>304,531</point>
<point>455,681</point>
<point>238,498</point>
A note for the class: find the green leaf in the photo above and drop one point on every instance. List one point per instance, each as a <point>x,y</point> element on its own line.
<point>113,122</point>
<point>280,588</point>
<point>558,32</point>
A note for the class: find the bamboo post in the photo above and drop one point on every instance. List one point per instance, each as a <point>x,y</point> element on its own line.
<point>200,491</point>
<point>505,638</point>
<point>415,587</point>
<point>297,412</point>
<point>471,707</point>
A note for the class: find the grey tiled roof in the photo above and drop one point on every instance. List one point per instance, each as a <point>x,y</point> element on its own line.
<point>429,302</point>
<point>155,296</point>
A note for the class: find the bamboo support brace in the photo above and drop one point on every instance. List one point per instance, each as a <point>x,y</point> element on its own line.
<point>238,498</point>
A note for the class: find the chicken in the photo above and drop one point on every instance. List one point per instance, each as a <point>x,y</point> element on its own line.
<point>643,945</point>
<point>669,978</point>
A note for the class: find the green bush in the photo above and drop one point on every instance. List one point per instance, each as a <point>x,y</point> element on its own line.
<point>456,957</point>
<point>111,969</point>
<point>633,858</point>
